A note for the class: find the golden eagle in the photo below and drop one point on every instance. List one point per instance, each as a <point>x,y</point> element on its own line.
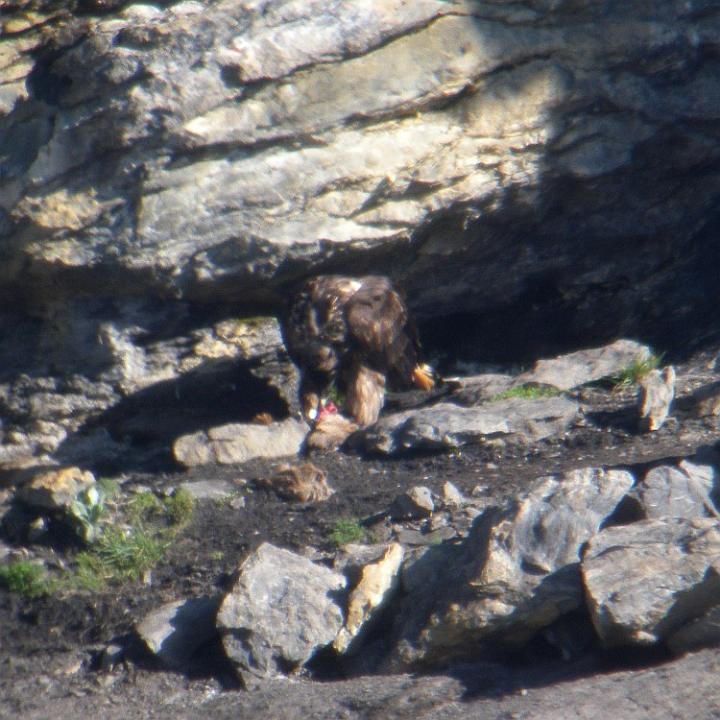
<point>354,334</point>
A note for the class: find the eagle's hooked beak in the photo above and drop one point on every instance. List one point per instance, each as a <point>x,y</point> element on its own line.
<point>424,377</point>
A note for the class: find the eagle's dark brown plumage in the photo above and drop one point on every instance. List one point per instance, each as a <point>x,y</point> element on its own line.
<point>354,333</point>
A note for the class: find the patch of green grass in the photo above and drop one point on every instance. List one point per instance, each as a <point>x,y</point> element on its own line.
<point>26,578</point>
<point>179,508</point>
<point>135,542</point>
<point>347,530</point>
<point>119,555</point>
<point>144,507</point>
<point>636,371</point>
<point>90,573</point>
<point>109,487</point>
<point>527,392</point>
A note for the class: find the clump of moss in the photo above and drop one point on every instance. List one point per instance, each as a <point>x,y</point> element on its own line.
<point>179,508</point>
<point>347,530</point>
<point>26,578</point>
<point>528,392</point>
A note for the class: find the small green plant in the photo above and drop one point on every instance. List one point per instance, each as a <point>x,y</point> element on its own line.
<point>636,371</point>
<point>144,507</point>
<point>110,488</point>
<point>347,530</point>
<point>527,392</point>
<point>119,555</point>
<point>26,578</point>
<point>90,573</point>
<point>180,508</point>
<point>89,509</point>
<point>134,542</point>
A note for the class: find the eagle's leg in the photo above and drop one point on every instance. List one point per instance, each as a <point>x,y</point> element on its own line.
<point>365,394</point>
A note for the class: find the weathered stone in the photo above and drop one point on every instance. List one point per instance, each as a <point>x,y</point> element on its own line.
<point>452,497</point>
<point>646,581</point>
<point>701,633</point>
<point>518,569</point>
<point>279,612</point>
<point>410,537</point>
<point>209,489</point>
<point>55,489</point>
<point>568,371</point>
<point>160,165</point>
<point>110,657</point>
<point>657,390</point>
<point>176,630</point>
<point>239,442</point>
<point>447,426</point>
<point>475,389</point>
<point>706,400</point>
<point>416,503</point>
<point>684,491</point>
<point>377,584</point>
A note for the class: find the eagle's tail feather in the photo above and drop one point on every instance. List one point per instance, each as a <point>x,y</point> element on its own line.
<point>423,377</point>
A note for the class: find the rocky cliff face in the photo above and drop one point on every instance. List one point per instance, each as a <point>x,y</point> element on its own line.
<point>545,173</point>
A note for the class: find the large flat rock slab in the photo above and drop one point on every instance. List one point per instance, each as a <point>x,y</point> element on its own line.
<point>646,581</point>
<point>447,426</point>
<point>238,442</point>
<point>568,371</point>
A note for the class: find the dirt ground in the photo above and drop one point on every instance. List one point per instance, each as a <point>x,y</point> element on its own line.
<point>51,649</point>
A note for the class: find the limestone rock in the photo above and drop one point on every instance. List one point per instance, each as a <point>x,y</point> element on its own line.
<point>475,389</point>
<point>684,491</point>
<point>452,497</point>
<point>377,583</point>
<point>646,581</point>
<point>175,630</point>
<point>164,163</point>
<point>209,489</point>
<point>706,401</point>
<point>701,633</point>
<point>416,538</point>
<point>416,503</point>
<point>55,489</point>
<point>279,612</point>
<point>517,572</point>
<point>448,426</point>
<point>239,442</point>
<point>568,371</point>
<point>657,390</point>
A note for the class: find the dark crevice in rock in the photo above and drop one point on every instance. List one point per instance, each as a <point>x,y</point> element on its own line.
<point>147,422</point>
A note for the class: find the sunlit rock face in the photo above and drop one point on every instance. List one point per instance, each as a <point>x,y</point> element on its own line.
<point>547,173</point>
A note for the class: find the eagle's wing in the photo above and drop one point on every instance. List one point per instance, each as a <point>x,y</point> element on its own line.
<point>380,328</point>
<point>314,326</point>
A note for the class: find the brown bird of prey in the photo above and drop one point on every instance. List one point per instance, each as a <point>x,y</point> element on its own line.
<point>353,334</point>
